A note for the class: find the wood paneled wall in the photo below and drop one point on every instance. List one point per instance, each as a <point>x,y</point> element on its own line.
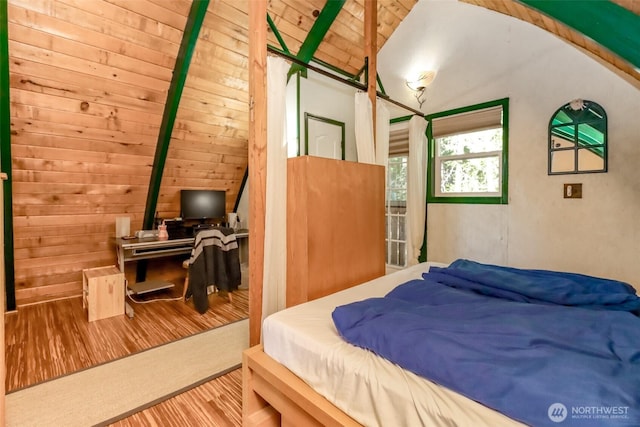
<point>88,85</point>
<point>208,146</point>
<point>89,80</point>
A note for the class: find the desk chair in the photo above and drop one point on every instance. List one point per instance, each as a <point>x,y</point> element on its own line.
<point>215,262</point>
<point>185,265</point>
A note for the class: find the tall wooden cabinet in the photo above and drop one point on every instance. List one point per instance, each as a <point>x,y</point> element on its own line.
<point>335,226</point>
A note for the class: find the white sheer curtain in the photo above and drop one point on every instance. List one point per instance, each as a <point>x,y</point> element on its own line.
<point>382,141</point>
<point>382,134</point>
<point>274,282</point>
<point>416,188</point>
<point>364,128</point>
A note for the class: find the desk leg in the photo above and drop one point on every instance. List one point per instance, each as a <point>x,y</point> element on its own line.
<point>120,255</point>
<point>127,307</point>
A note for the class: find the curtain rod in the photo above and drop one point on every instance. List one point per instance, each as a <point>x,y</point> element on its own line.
<point>351,83</point>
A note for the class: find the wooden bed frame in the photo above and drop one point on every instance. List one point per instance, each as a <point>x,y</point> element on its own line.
<point>272,395</point>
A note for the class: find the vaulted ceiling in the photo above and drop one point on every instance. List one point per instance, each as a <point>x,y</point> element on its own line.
<point>609,31</point>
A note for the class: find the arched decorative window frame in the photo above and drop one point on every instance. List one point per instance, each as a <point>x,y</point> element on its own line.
<point>578,109</point>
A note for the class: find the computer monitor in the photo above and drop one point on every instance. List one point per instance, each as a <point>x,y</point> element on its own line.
<point>202,205</point>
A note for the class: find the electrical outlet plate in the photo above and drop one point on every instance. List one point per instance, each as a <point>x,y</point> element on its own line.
<point>573,191</point>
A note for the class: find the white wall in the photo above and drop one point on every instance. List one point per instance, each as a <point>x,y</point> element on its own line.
<point>320,96</point>
<point>482,55</point>
<point>324,97</point>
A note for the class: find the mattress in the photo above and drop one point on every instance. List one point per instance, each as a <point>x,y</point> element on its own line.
<point>372,390</point>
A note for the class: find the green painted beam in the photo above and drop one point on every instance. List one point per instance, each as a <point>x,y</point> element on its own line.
<point>380,84</point>
<point>187,46</point>
<point>317,61</point>
<point>316,34</point>
<point>5,158</point>
<point>603,21</point>
<point>276,33</point>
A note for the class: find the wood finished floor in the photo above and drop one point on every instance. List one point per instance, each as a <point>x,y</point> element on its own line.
<point>44,341</point>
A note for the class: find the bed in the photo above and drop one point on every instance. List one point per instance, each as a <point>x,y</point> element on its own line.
<point>307,374</point>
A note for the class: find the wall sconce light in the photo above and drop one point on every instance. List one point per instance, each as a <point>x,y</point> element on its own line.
<point>419,85</point>
<point>577,104</point>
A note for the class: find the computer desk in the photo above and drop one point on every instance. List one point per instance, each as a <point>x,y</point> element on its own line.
<point>137,249</point>
<point>148,248</point>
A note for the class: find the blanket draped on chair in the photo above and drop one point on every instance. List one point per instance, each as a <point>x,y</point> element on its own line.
<point>214,261</point>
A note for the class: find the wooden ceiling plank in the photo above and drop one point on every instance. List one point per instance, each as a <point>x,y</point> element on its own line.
<point>211,129</point>
<point>78,33</point>
<point>319,29</point>
<point>72,130</point>
<point>514,9</point>
<point>213,52</point>
<point>87,20</point>
<point>66,62</point>
<point>88,53</point>
<point>55,102</point>
<point>206,84</point>
<point>394,7</point>
<point>407,4</point>
<point>30,164</point>
<point>210,103</point>
<point>115,13</point>
<point>154,12</point>
<point>133,129</point>
<point>238,151</point>
<point>300,13</point>
<point>293,35</point>
<point>34,75</point>
<point>226,11</point>
<point>191,116</point>
<point>179,6</point>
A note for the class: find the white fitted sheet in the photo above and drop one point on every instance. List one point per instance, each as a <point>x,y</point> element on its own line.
<point>372,390</point>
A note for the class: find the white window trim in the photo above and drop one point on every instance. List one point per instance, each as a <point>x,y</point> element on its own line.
<point>438,173</point>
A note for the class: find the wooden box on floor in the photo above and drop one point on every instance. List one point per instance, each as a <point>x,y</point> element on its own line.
<point>103,292</point>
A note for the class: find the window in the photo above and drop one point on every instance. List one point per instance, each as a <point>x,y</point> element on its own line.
<point>396,207</point>
<point>468,154</point>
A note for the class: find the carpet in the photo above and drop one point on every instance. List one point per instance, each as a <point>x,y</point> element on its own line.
<point>106,393</point>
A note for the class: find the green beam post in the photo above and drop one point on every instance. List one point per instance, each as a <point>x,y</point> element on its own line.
<point>187,46</point>
<point>610,25</point>
<point>276,33</point>
<point>380,84</point>
<point>5,158</point>
<point>316,34</point>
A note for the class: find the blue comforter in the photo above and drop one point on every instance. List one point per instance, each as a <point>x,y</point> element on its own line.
<point>545,348</point>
